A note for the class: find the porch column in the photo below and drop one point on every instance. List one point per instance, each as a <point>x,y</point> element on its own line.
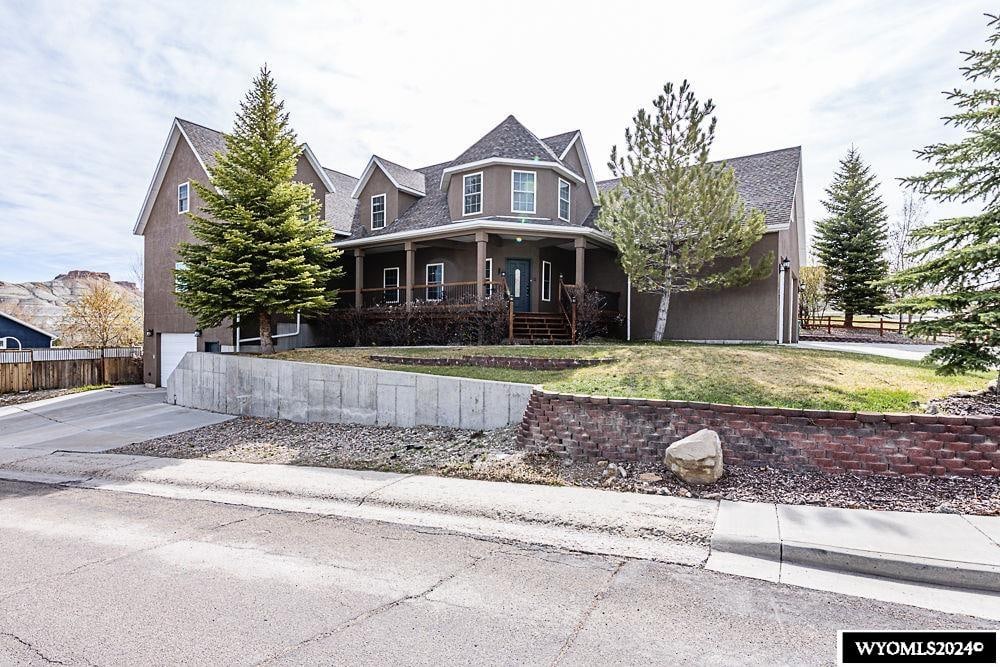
<point>410,261</point>
<point>359,277</point>
<point>481,238</point>
<point>581,248</point>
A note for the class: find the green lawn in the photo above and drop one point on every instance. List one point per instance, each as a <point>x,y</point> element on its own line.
<point>733,374</point>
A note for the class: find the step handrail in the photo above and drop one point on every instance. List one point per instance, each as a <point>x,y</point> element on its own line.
<point>570,313</point>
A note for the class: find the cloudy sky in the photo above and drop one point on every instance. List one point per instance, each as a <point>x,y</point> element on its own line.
<point>88,89</point>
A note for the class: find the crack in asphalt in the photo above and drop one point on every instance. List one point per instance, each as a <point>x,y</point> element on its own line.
<point>374,611</point>
<point>587,612</point>
<point>31,647</point>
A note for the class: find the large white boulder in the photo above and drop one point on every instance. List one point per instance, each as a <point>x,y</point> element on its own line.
<point>696,459</point>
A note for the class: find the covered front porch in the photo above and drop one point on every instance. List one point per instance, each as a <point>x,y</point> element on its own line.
<point>535,274</point>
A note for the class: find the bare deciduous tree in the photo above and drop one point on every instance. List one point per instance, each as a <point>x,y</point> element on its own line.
<point>103,317</point>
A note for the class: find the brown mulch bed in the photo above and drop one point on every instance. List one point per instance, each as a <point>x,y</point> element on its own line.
<point>491,455</point>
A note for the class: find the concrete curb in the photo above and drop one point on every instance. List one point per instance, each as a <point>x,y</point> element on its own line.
<point>675,530</point>
<point>748,540</point>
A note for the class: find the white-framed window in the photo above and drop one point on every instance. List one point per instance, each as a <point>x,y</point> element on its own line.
<point>378,211</point>
<point>434,280</point>
<point>178,284</point>
<point>390,284</point>
<point>522,191</point>
<point>488,276</point>
<point>184,197</point>
<point>546,281</point>
<point>472,193</point>
<point>564,192</point>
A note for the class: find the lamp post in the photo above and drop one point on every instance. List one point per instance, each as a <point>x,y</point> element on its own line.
<point>783,265</point>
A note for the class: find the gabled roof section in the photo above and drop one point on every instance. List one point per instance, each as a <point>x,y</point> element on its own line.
<point>205,143</point>
<point>340,204</point>
<point>510,139</point>
<point>402,178</point>
<point>766,181</point>
<point>509,143</point>
<point>10,317</point>
<point>560,143</point>
<point>568,141</point>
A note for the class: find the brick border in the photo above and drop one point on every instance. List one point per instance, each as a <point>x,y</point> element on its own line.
<point>591,428</point>
<point>482,361</point>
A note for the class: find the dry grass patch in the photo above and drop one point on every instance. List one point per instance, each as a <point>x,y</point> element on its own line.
<point>735,374</point>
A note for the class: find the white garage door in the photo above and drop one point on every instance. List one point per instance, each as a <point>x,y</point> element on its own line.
<point>172,349</point>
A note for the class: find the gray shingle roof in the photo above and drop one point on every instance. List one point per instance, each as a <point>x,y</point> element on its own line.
<point>206,141</point>
<point>766,181</point>
<point>509,140</point>
<point>559,142</point>
<point>408,178</point>
<point>339,204</point>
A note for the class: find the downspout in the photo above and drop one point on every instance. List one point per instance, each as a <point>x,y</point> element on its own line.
<point>298,328</point>
<point>628,309</point>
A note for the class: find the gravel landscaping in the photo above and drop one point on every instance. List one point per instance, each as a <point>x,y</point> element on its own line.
<point>29,396</point>
<point>492,455</point>
<point>967,403</point>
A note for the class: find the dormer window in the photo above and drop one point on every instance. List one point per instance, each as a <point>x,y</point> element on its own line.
<point>564,200</point>
<point>472,197</point>
<point>378,211</point>
<point>522,191</point>
<point>184,197</point>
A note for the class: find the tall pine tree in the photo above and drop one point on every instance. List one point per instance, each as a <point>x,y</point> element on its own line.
<point>851,242</point>
<point>957,280</point>
<point>262,248</point>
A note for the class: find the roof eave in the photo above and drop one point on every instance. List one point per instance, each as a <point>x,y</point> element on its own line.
<point>161,170</point>
<point>367,174</point>
<point>481,223</point>
<point>555,166</point>
<point>30,326</point>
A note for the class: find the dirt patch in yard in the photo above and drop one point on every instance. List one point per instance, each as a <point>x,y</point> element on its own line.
<point>491,455</point>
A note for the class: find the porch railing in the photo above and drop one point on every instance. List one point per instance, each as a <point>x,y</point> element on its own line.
<point>454,294</point>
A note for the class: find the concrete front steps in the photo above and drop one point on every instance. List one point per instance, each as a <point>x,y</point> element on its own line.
<point>541,329</point>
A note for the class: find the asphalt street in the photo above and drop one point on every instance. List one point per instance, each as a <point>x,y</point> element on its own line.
<point>109,578</point>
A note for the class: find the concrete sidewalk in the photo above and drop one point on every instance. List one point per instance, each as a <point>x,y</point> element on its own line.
<point>938,561</point>
<point>667,529</point>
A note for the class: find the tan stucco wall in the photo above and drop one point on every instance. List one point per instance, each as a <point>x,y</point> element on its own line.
<point>737,314</point>
<point>497,190</point>
<point>396,202</point>
<point>164,230</point>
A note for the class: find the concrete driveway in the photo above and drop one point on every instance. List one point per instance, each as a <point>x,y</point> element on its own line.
<point>95,421</point>
<point>892,350</point>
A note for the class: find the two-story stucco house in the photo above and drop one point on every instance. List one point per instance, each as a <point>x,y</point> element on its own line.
<point>513,211</point>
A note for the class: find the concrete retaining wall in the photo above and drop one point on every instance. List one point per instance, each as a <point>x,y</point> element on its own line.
<point>242,385</point>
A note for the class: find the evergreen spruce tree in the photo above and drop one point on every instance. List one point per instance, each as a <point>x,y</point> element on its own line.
<point>957,279</point>
<point>852,241</point>
<point>261,247</point>
<point>677,219</point>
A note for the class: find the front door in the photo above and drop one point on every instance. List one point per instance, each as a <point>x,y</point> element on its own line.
<point>519,283</point>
